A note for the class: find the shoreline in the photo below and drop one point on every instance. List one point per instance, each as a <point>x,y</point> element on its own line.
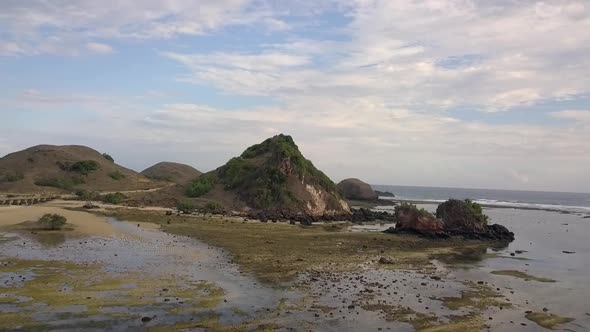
<point>499,205</point>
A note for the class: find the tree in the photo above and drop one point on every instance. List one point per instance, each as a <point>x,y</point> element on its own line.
<point>52,221</point>
<point>108,157</point>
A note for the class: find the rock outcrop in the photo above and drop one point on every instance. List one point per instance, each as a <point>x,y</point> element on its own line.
<point>355,189</point>
<point>453,218</point>
<point>410,219</point>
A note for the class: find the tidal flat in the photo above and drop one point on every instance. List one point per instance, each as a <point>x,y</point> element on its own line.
<point>160,272</point>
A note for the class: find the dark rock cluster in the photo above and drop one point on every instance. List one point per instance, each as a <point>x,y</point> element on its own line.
<point>453,218</point>
<point>356,216</point>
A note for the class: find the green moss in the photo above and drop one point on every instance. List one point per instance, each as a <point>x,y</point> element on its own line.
<point>409,208</point>
<point>467,208</point>
<point>477,297</point>
<point>548,321</point>
<point>60,284</point>
<point>276,253</point>
<point>394,313</point>
<point>521,275</point>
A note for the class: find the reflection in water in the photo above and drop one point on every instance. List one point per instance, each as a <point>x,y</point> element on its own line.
<point>48,238</point>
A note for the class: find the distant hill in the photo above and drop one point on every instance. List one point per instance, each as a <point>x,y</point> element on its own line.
<point>50,168</point>
<point>356,189</point>
<point>271,176</point>
<point>171,172</point>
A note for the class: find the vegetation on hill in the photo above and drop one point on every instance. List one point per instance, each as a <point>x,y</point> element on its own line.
<point>116,198</point>
<point>200,186</point>
<point>117,175</point>
<point>269,175</point>
<point>52,221</point>
<point>467,209</point>
<point>83,167</point>
<point>11,177</point>
<point>66,168</point>
<point>108,157</point>
<point>66,183</point>
<point>409,208</point>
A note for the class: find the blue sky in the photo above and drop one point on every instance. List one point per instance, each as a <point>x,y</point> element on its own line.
<point>457,93</point>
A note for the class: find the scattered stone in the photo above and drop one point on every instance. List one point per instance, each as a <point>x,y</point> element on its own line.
<point>385,260</point>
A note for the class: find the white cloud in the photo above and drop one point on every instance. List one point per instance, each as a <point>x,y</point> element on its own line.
<point>427,55</point>
<point>99,48</point>
<point>66,27</point>
<point>580,116</point>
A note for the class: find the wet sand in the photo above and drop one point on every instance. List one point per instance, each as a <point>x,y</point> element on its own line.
<point>84,224</point>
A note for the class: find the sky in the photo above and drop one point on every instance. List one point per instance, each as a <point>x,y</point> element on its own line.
<point>457,93</point>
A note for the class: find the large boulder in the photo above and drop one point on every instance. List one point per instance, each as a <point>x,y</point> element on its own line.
<point>462,216</point>
<point>356,189</point>
<point>412,220</point>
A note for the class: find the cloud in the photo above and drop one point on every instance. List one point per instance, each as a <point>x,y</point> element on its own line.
<point>66,28</point>
<point>433,55</point>
<point>579,116</point>
<point>100,48</point>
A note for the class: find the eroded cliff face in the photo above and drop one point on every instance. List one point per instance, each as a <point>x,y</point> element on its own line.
<point>324,203</point>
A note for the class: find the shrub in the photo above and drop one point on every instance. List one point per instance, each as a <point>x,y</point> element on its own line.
<point>185,207</point>
<point>108,157</point>
<point>200,186</point>
<point>116,175</point>
<point>86,195</point>
<point>409,208</point>
<point>454,211</point>
<point>116,198</point>
<point>11,177</point>
<point>213,207</point>
<point>84,167</point>
<point>66,183</point>
<point>52,221</point>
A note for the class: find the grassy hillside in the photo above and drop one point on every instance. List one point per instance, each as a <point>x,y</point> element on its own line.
<point>49,168</point>
<point>272,175</point>
<point>171,172</point>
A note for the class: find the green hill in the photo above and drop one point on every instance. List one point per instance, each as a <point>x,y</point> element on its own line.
<point>50,168</point>
<point>272,175</point>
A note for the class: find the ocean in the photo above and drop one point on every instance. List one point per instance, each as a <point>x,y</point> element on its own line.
<point>539,200</point>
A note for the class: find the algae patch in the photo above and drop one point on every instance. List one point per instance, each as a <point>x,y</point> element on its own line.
<point>549,321</point>
<point>521,275</point>
<point>84,289</point>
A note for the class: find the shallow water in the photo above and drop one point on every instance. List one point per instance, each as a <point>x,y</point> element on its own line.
<point>543,236</point>
<point>339,302</point>
<point>155,255</point>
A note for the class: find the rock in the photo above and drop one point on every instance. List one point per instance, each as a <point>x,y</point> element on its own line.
<point>462,216</point>
<point>145,319</point>
<point>385,260</point>
<point>384,193</point>
<point>412,220</point>
<point>356,189</point>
